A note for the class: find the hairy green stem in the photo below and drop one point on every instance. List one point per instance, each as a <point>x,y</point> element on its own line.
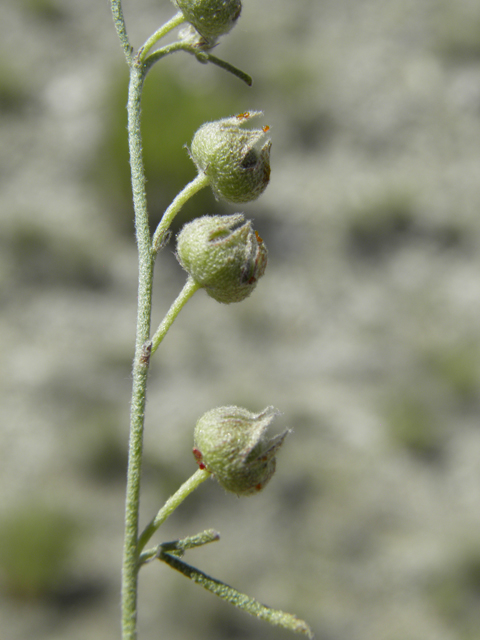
<point>231,595</point>
<point>183,297</point>
<point>177,20</point>
<point>202,56</point>
<point>171,504</point>
<point>119,22</point>
<point>141,359</point>
<point>185,194</point>
<point>157,55</point>
<point>144,347</point>
<point>146,260</point>
<point>178,547</point>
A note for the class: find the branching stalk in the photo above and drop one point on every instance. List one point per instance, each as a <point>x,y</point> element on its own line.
<point>183,297</point>
<point>239,600</point>
<point>187,192</point>
<point>134,555</point>
<point>202,56</point>
<point>171,504</point>
<point>177,20</point>
<point>178,547</point>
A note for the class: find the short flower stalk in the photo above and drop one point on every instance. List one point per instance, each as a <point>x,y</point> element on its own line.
<point>183,297</point>
<point>226,257</point>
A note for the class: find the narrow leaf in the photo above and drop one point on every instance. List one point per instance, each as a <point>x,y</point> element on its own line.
<point>178,547</point>
<point>204,57</point>
<point>240,600</point>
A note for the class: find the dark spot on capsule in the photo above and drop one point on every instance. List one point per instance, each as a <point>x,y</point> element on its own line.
<point>250,159</point>
<point>266,175</point>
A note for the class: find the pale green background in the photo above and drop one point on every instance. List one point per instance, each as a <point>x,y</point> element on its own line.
<point>364,331</point>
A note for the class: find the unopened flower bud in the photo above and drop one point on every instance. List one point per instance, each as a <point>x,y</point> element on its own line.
<point>232,444</point>
<point>223,254</point>
<point>211,18</point>
<point>236,160</point>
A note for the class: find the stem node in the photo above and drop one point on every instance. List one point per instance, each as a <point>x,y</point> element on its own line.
<point>146,353</point>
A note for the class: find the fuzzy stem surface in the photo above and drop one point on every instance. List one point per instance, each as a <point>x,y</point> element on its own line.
<point>141,359</point>
<point>202,56</point>
<point>185,194</point>
<point>183,297</point>
<point>171,504</point>
<point>119,21</point>
<point>177,20</point>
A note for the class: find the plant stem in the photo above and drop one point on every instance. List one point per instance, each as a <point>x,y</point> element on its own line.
<point>141,359</point>
<point>202,56</point>
<point>178,547</point>
<point>171,504</point>
<point>119,21</point>
<point>240,600</point>
<point>177,20</point>
<point>183,297</point>
<point>185,194</point>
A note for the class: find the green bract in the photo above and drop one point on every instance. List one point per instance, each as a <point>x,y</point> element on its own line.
<point>232,444</point>
<point>211,18</point>
<point>236,160</point>
<point>223,254</point>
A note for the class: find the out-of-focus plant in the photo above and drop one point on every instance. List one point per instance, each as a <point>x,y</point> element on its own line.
<point>36,543</point>
<point>223,255</point>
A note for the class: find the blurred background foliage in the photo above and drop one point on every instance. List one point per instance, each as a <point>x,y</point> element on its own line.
<point>36,543</point>
<point>364,331</point>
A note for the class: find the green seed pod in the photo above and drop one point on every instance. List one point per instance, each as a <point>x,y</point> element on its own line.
<point>223,254</point>
<point>236,160</point>
<point>232,444</point>
<point>211,18</point>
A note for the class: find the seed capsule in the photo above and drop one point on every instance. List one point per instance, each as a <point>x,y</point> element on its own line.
<point>232,444</point>
<point>211,18</point>
<point>224,255</point>
<point>236,160</point>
